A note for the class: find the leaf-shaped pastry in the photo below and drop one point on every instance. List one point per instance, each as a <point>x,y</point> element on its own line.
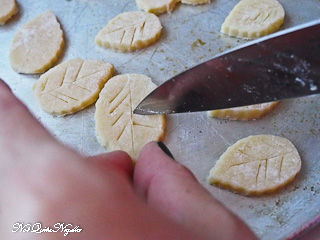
<point>195,2</point>
<point>117,128</point>
<point>246,113</point>
<point>157,6</point>
<point>130,31</point>
<point>37,45</point>
<point>8,8</point>
<point>257,165</point>
<point>254,18</point>
<point>72,85</point>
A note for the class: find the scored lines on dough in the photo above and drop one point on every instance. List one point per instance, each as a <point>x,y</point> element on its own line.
<point>118,105</point>
<point>56,90</point>
<point>265,160</point>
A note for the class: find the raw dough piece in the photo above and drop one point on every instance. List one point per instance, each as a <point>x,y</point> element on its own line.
<point>37,45</point>
<point>157,6</point>
<point>130,31</point>
<point>257,165</point>
<point>254,18</point>
<point>8,8</point>
<point>251,112</point>
<point>195,2</point>
<point>72,85</point>
<point>117,128</point>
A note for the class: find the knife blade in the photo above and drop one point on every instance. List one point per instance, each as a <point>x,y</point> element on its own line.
<point>280,66</point>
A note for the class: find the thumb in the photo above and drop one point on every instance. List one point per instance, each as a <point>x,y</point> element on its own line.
<point>157,162</point>
<point>173,189</point>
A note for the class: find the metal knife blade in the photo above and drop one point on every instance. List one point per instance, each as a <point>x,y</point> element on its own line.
<point>280,66</point>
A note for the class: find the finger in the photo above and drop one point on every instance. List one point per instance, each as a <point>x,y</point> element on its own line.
<point>117,161</point>
<point>99,202</point>
<point>3,84</point>
<point>173,189</point>
<point>18,127</point>
<point>153,162</point>
<point>23,140</point>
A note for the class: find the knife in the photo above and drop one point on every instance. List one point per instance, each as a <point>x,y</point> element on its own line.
<point>280,66</point>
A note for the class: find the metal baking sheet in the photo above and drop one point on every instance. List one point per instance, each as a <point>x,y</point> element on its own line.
<point>190,36</point>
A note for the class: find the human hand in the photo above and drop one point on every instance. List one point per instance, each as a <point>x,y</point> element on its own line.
<point>42,181</point>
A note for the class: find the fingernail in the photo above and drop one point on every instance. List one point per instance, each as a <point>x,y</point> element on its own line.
<point>165,149</point>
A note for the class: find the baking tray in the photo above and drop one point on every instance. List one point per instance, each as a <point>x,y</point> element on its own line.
<point>190,36</point>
